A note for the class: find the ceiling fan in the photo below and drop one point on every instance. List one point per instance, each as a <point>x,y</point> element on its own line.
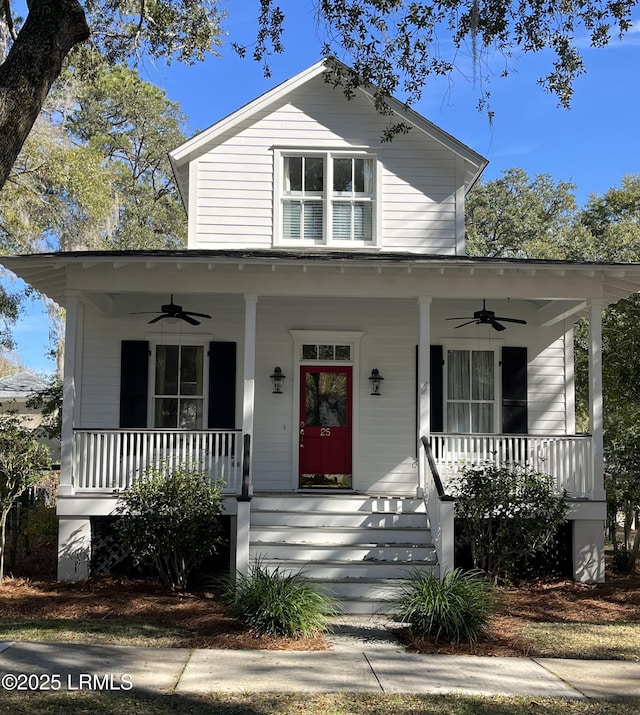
<point>487,317</point>
<point>173,310</point>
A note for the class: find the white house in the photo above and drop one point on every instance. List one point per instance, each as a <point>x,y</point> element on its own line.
<point>319,253</point>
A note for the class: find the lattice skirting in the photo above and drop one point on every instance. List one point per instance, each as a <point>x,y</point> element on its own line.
<point>106,551</point>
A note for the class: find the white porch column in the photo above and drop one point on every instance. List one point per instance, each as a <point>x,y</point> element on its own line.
<point>240,557</point>
<point>70,380</point>
<point>250,317</point>
<point>424,388</point>
<point>595,397</point>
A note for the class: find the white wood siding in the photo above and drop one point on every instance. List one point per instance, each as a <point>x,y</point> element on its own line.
<point>234,194</point>
<point>547,393</point>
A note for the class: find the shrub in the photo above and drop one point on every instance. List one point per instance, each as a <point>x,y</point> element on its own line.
<point>506,515</point>
<point>277,603</point>
<point>171,519</point>
<point>455,609</point>
<point>22,459</point>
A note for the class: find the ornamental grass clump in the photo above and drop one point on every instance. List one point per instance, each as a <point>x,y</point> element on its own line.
<point>278,603</point>
<point>455,609</point>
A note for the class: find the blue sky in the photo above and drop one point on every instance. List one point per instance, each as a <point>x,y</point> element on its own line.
<point>594,144</point>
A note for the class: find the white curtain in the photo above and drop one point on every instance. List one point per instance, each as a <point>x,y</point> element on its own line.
<point>470,391</point>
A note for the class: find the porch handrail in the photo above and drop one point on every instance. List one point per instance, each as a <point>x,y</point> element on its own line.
<point>440,511</point>
<point>245,491</point>
<point>113,459</point>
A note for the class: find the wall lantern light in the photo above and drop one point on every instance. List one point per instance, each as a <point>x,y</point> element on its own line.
<point>375,379</point>
<point>276,380</point>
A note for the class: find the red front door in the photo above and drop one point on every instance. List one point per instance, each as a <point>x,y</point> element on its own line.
<point>325,427</point>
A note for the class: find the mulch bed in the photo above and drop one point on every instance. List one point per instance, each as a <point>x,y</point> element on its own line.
<point>208,624</point>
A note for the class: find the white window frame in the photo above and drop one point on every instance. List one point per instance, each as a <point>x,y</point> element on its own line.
<point>483,345</point>
<point>180,341</point>
<point>327,199</point>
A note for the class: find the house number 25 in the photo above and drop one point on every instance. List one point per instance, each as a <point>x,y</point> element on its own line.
<point>325,431</point>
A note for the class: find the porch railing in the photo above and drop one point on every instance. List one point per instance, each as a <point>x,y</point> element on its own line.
<point>568,458</point>
<point>112,460</point>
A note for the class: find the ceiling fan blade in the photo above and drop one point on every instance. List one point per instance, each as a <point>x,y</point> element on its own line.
<point>464,317</point>
<point>160,317</point>
<point>512,320</point>
<point>463,324</point>
<point>188,319</point>
<point>497,325</point>
<point>199,315</point>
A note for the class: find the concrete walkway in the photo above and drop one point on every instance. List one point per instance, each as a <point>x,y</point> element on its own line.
<point>363,658</point>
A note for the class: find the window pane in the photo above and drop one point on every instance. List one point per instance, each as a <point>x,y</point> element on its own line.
<point>313,220</point>
<point>313,174</point>
<point>309,352</point>
<point>190,414</point>
<point>293,173</point>
<point>363,176</point>
<point>458,387</point>
<point>326,399</point>
<point>291,219</point>
<point>482,375</point>
<point>191,374</point>
<point>325,352</point>
<point>343,352</point>
<point>362,224</point>
<point>166,370</point>
<point>166,413</point>
<point>342,221</point>
<point>458,417</point>
<point>342,179</point>
<point>482,417</point>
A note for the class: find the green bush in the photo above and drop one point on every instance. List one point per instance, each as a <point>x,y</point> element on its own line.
<point>455,609</point>
<point>277,603</point>
<point>506,515</point>
<point>171,519</point>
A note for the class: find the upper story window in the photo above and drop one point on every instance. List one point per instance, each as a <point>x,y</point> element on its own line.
<point>328,198</point>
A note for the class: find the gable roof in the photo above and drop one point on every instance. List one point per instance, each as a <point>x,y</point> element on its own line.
<point>181,156</point>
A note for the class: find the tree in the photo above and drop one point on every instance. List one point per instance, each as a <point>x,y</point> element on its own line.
<point>393,44</point>
<point>22,459</point>
<point>132,125</point>
<point>519,217</point>
<point>121,30</point>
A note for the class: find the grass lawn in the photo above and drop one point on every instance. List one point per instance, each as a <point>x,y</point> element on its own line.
<point>303,704</point>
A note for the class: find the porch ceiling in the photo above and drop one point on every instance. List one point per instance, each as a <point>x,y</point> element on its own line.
<point>559,288</point>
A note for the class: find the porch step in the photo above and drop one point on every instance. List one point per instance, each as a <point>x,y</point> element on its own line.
<point>330,534</point>
<point>360,548</point>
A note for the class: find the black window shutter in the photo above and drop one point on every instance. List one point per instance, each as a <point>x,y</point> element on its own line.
<point>134,383</point>
<point>514,390</point>
<point>222,385</point>
<point>437,394</point>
